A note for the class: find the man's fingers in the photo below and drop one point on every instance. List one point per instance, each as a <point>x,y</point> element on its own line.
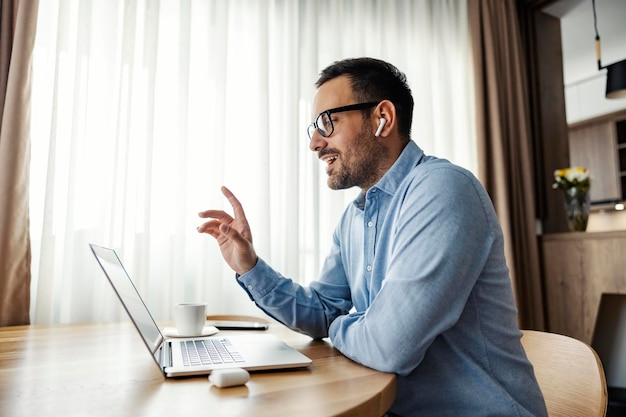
<point>221,214</point>
<point>210,227</point>
<point>216,214</point>
<point>219,218</point>
<point>234,202</point>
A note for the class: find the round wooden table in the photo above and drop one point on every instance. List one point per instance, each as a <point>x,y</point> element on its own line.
<point>105,370</point>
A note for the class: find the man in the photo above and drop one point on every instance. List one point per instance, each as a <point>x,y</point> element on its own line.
<point>418,256</point>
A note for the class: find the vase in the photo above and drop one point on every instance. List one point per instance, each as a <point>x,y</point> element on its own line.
<point>577,206</point>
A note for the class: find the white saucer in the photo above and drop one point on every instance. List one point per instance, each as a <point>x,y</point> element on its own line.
<point>173,332</point>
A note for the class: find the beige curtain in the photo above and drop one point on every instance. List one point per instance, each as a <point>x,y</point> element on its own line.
<point>17,36</point>
<point>504,145</point>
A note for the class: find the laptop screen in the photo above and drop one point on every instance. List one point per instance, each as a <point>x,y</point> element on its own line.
<point>129,296</point>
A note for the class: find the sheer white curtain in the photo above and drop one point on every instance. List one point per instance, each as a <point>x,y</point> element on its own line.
<point>144,108</point>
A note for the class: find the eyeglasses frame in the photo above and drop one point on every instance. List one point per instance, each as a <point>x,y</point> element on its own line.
<point>349,107</point>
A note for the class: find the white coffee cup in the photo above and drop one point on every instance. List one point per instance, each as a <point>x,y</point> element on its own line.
<point>190,318</point>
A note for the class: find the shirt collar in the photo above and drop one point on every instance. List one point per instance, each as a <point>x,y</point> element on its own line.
<point>411,156</point>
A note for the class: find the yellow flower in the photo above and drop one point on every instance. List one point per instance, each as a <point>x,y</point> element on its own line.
<point>573,177</point>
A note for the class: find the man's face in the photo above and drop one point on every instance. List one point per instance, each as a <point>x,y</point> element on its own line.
<point>352,153</point>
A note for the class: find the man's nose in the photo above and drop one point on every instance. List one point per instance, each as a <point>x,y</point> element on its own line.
<point>317,141</point>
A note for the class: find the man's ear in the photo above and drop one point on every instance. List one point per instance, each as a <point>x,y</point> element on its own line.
<point>385,116</point>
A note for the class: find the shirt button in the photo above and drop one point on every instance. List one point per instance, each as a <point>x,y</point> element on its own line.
<point>369,268</point>
<point>370,224</point>
<point>250,287</point>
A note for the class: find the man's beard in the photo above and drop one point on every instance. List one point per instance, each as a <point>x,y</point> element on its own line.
<point>360,165</point>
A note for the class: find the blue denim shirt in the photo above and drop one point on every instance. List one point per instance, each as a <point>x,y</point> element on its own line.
<point>416,283</point>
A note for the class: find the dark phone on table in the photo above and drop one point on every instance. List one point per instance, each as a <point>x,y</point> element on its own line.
<point>240,325</point>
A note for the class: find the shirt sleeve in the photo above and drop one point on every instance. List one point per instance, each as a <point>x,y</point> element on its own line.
<point>440,244</point>
<point>307,309</point>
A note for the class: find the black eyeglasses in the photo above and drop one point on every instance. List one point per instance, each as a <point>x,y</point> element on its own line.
<point>324,124</point>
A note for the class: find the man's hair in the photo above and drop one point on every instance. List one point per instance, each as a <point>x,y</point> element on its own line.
<point>375,80</point>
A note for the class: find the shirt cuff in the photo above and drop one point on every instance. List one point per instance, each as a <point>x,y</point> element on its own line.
<point>258,281</point>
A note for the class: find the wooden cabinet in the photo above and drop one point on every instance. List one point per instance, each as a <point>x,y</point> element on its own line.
<point>600,146</point>
<point>593,147</point>
<point>577,268</point>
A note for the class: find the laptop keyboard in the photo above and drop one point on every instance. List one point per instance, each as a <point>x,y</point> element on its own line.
<point>209,351</point>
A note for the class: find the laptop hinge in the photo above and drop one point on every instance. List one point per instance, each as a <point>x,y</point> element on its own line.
<point>166,355</point>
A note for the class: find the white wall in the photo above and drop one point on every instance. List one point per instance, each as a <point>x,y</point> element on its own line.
<point>584,84</point>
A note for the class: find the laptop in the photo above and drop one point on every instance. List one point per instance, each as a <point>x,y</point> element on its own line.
<point>609,341</point>
<point>194,356</point>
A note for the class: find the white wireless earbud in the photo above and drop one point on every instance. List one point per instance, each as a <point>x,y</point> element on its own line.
<point>380,126</point>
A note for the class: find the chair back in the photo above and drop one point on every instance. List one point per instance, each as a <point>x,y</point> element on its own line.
<point>569,373</point>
